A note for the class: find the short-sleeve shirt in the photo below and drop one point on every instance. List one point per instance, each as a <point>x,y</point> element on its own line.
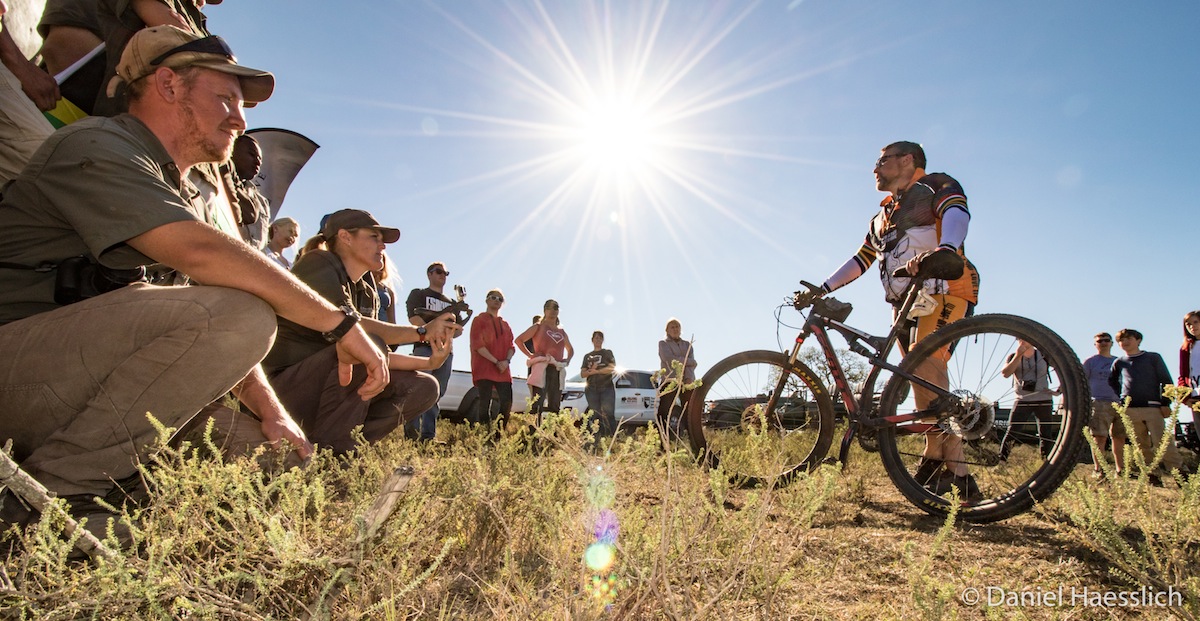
<point>1098,369</point>
<point>598,357</point>
<point>87,190</point>
<point>495,335</point>
<point>325,273</point>
<point>426,303</point>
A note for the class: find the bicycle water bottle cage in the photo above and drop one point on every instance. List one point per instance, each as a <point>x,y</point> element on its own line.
<point>831,308</point>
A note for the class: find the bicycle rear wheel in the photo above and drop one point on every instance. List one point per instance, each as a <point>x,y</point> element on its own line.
<point>731,426</point>
<point>1040,453</point>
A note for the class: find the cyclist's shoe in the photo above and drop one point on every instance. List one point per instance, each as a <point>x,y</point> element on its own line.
<point>968,489</point>
<point>928,471</point>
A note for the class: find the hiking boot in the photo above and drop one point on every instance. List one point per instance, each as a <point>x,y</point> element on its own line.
<point>968,489</point>
<point>927,471</point>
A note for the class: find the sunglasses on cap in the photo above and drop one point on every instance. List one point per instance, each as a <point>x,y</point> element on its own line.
<point>208,45</point>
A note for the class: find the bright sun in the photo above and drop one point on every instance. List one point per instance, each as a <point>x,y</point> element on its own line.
<point>616,136</point>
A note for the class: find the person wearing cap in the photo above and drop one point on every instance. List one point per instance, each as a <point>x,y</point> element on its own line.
<point>423,306</point>
<point>108,196</point>
<point>302,365</point>
<point>119,20</point>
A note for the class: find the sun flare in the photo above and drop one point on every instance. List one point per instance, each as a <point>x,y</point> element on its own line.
<point>617,136</point>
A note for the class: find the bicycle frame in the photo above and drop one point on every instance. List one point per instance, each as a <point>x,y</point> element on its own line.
<point>876,350</point>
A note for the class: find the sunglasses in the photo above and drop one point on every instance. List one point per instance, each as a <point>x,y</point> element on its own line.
<point>440,272</point>
<point>1103,340</point>
<point>208,45</point>
<point>883,160</point>
<point>495,298</point>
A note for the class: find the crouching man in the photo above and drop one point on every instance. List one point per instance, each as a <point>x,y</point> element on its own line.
<point>79,374</point>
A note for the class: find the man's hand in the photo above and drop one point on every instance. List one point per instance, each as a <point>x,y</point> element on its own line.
<point>38,85</point>
<point>356,348</point>
<point>442,326</point>
<point>256,393</point>
<point>803,299</point>
<point>282,428</point>
<point>441,350</point>
<point>502,364</point>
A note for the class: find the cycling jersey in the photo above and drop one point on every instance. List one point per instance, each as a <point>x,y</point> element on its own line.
<point>908,226</point>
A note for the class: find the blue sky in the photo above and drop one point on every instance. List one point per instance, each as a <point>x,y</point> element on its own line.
<point>638,161</point>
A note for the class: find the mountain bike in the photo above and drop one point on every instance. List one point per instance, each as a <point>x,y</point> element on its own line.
<point>763,417</point>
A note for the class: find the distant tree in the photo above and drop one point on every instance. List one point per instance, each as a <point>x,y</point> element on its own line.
<point>854,366</point>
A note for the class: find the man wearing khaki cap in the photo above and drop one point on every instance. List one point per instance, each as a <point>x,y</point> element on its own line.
<point>102,199</point>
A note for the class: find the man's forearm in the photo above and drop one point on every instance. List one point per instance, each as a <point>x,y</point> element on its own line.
<point>213,258</point>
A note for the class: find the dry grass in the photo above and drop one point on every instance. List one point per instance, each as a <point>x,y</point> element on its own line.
<point>501,532</point>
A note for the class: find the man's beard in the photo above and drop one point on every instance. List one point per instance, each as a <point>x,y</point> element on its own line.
<point>202,145</point>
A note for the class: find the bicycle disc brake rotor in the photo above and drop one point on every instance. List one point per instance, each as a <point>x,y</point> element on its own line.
<point>972,418</point>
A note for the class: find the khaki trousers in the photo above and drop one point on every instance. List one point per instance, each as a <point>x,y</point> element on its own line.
<point>77,383</point>
<point>1148,429</point>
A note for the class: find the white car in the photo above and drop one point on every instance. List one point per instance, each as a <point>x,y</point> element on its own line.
<point>637,396</point>
<point>458,404</point>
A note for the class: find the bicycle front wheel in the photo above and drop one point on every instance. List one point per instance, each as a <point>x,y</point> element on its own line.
<point>1015,456</point>
<point>732,425</point>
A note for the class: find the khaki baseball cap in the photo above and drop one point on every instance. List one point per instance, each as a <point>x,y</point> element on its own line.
<point>168,46</point>
<point>356,219</point>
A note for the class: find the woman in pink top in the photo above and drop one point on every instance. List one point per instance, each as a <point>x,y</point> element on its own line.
<point>552,352</point>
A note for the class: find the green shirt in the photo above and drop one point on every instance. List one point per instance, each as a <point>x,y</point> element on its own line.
<point>324,272</point>
<point>90,187</point>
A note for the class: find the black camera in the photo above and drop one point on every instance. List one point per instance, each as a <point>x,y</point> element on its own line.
<point>1029,385</point>
<point>78,278</point>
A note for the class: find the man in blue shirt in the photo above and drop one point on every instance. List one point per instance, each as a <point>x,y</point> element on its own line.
<point>1139,376</point>
<point>1104,422</point>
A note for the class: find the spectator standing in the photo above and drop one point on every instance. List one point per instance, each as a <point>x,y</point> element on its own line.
<point>423,306</point>
<point>25,91</point>
<point>1104,422</point>
<point>281,235</point>
<point>529,364</point>
<point>551,353</point>
<point>71,31</point>
<point>1189,354</point>
<point>597,369</point>
<point>1139,376</point>
<point>254,208</point>
<point>1035,401</point>
<point>120,19</point>
<point>673,403</point>
<point>491,356</point>
<point>387,293</point>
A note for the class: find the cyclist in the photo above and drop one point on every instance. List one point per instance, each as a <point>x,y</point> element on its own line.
<point>923,214</point>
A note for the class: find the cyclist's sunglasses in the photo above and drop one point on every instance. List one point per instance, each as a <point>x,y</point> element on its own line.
<point>208,45</point>
<point>496,298</point>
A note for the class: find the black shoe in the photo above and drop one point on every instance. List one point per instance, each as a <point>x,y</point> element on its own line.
<point>968,489</point>
<point>927,471</point>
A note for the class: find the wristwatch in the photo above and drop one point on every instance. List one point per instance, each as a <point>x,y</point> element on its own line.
<point>421,330</point>
<point>344,327</point>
